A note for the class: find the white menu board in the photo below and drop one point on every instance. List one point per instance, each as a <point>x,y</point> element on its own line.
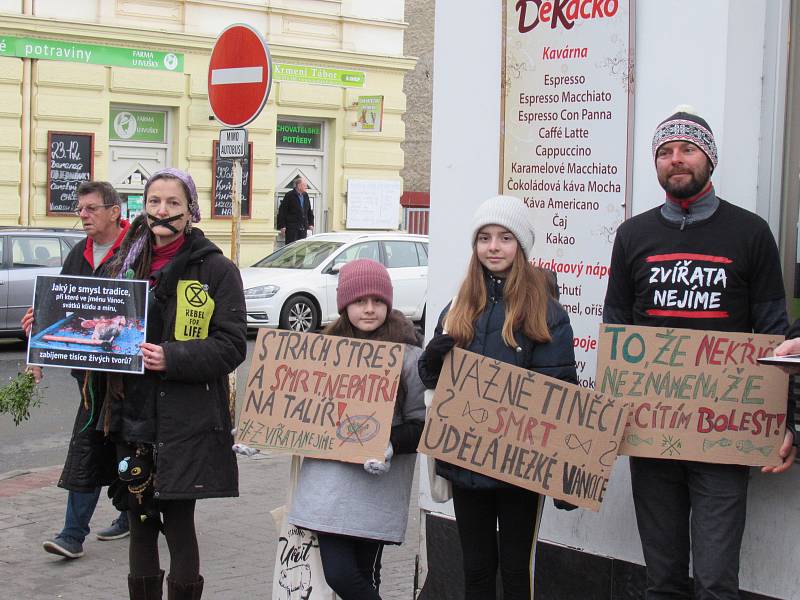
<point>373,204</point>
<point>567,122</point>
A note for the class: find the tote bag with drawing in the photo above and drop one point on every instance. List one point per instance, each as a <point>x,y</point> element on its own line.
<point>298,571</point>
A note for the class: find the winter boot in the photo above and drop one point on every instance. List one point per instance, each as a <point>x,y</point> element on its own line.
<point>146,588</point>
<point>184,591</point>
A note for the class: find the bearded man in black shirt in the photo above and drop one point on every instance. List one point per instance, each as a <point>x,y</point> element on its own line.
<point>696,262</point>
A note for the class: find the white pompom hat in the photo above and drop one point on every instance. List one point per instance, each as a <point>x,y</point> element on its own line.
<point>509,212</point>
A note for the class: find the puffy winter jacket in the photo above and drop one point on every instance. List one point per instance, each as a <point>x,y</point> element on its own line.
<point>555,359</point>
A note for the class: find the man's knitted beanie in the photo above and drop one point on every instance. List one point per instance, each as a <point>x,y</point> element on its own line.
<point>509,212</point>
<point>685,125</point>
<point>361,278</point>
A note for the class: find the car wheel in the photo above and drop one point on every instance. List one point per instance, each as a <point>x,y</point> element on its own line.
<point>299,314</point>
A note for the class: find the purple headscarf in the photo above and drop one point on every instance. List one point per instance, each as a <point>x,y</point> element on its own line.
<point>188,184</point>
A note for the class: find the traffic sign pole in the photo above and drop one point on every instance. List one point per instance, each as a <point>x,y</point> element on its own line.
<point>236,210</point>
<point>239,82</point>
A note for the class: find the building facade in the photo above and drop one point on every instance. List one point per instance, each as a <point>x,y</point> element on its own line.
<point>117,89</point>
<point>418,88</point>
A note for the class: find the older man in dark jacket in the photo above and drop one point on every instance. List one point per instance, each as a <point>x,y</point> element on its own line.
<point>295,215</point>
<point>99,208</point>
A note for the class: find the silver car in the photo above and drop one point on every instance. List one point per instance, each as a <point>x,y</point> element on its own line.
<point>24,254</point>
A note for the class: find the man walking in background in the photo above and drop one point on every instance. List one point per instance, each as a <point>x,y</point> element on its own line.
<point>295,215</point>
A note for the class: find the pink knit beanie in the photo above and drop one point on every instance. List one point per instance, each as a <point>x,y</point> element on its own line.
<point>361,278</point>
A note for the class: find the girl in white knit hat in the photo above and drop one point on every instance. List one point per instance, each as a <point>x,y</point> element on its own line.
<point>355,510</point>
<point>503,310</point>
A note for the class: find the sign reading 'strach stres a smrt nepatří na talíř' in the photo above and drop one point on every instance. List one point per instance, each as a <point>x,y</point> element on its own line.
<point>320,395</point>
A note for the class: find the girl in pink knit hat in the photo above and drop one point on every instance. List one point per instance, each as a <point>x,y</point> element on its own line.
<point>355,510</point>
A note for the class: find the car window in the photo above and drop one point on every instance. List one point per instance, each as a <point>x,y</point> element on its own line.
<point>422,252</point>
<point>361,250</point>
<point>66,246</point>
<point>400,254</point>
<point>300,255</point>
<point>30,251</point>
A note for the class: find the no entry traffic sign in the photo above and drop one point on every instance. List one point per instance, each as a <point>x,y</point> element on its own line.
<point>239,75</point>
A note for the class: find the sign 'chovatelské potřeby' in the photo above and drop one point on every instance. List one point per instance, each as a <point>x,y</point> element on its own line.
<point>695,395</point>
<point>321,396</point>
<point>524,428</point>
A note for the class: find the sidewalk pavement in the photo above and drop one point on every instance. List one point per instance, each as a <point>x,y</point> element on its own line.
<point>237,540</point>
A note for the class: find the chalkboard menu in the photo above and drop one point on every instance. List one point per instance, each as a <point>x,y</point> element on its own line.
<point>70,160</point>
<point>222,184</point>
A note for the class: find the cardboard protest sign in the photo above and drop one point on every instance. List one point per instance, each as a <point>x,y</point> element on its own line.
<point>523,427</point>
<point>88,323</point>
<point>320,395</point>
<point>695,395</point>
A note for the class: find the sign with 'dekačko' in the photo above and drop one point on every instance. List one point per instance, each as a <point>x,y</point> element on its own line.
<point>695,395</point>
<point>525,428</point>
<point>320,395</point>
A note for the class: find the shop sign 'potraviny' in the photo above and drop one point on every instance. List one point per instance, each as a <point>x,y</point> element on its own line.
<point>91,54</point>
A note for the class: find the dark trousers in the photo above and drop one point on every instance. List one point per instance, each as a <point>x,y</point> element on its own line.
<point>179,531</point>
<point>681,504</point>
<point>352,566</point>
<point>294,233</point>
<point>479,515</point>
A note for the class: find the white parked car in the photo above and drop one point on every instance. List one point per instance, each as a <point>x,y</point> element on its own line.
<point>295,286</point>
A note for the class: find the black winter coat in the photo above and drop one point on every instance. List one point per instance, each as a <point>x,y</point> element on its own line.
<point>184,411</point>
<point>555,359</point>
<point>90,458</point>
<point>291,215</point>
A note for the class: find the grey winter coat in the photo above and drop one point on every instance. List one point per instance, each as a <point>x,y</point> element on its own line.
<point>342,498</point>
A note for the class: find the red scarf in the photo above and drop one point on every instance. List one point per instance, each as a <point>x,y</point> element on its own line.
<point>88,249</point>
<point>162,255</point>
<point>684,203</point>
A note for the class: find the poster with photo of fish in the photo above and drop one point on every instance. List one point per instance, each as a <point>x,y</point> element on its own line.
<point>88,323</point>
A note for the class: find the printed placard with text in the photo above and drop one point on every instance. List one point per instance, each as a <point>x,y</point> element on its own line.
<point>88,323</point>
<point>695,395</point>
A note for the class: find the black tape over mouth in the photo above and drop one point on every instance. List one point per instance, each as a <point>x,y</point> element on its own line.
<point>155,222</point>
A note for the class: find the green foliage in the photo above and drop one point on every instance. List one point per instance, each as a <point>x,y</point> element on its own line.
<point>19,396</point>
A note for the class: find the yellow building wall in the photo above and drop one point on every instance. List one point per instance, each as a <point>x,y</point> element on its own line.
<point>10,139</point>
<point>77,97</point>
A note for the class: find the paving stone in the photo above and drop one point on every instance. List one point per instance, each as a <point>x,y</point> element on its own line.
<point>237,539</point>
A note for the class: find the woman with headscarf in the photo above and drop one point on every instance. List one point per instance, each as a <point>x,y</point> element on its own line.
<point>172,425</point>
